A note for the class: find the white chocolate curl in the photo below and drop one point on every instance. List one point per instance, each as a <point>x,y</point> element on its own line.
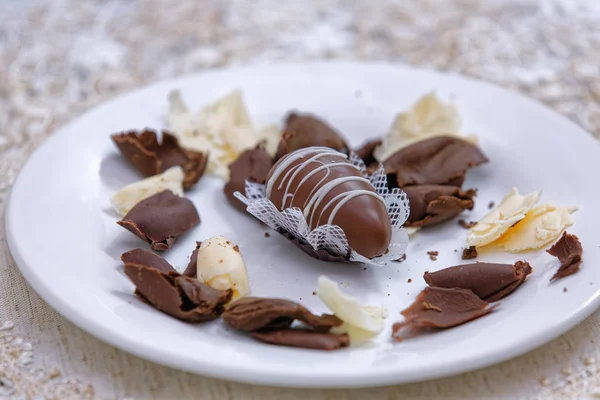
<point>331,237</point>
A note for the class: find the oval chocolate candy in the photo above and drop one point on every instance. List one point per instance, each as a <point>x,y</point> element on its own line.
<point>330,190</point>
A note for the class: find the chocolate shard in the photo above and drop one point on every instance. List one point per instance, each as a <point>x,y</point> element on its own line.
<point>365,151</point>
<point>149,259</point>
<point>303,338</point>
<point>442,160</point>
<point>160,285</point>
<point>251,314</point>
<point>438,307</point>
<point>152,158</point>
<point>321,254</point>
<point>252,165</point>
<point>568,250</point>
<point>434,204</point>
<point>306,131</point>
<point>191,270</point>
<point>489,281</point>
<point>159,219</point>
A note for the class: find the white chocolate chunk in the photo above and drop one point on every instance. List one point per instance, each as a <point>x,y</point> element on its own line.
<point>495,223</point>
<point>427,118</point>
<point>125,199</point>
<point>360,322</point>
<point>222,128</point>
<point>221,266</point>
<point>541,226</point>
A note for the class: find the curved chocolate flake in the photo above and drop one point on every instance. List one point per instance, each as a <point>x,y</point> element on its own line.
<point>250,314</point>
<point>176,295</point>
<point>434,204</point>
<point>306,131</point>
<point>151,158</point>
<point>252,165</point>
<point>568,250</point>
<point>442,160</point>
<point>489,281</point>
<point>149,259</point>
<point>191,270</point>
<point>303,338</point>
<point>159,219</point>
<point>438,307</point>
<point>365,151</point>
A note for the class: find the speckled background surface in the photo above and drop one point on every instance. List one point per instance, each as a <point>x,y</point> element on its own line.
<point>60,58</point>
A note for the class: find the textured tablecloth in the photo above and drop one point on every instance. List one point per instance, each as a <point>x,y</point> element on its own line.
<point>58,58</point>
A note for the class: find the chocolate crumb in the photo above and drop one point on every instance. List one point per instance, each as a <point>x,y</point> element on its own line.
<point>491,205</point>
<point>565,289</point>
<point>267,234</point>
<point>403,258</point>
<point>221,261</point>
<point>409,280</point>
<point>236,248</point>
<point>365,268</point>
<point>469,253</point>
<point>433,255</point>
<point>465,224</point>
<point>314,293</point>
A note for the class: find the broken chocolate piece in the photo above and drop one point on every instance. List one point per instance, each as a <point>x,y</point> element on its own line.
<point>159,219</point>
<point>442,160</point>
<point>252,165</point>
<point>365,151</point>
<point>438,307</point>
<point>150,259</point>
<point>489,281</point>
<point>250,314</point>
<point>151,158</point>
<point>178,296</point>
<point>192,268</point>
<point>433,255</point>
<point>303,338</point>
<point>469,253</point>
<point>306,131</point>
<point>568,250</point>
<point>433,204</point>
<point>465,224</point>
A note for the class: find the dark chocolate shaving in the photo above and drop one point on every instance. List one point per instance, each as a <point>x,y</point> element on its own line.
<point>306,131</point>
<point>365,151</point>
<point>192,267</point>
<point>568,250</point>
<point>181,297</point>
<point>434,204</point>
<point>303,338</point>
<point>252,165</point>
<point>151,158</point>
<point>160,219</point>
<point>489,281</point>
<point>441,160</point>
<point>149,259</point>
<point>469,253</point>
<point>438,307</point>
<point>251,314</point>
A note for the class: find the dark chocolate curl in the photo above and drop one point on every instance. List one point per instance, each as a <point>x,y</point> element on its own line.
<point>489,281</point>
<point>160,219</point>
<point>250,314</point>
<point>144,152</point>
<point>568,250</point>
<point>438,307</point>
<point>306,131</point>
<point>442,160</point>
<point>303,338</point>
<point>252,165</point>
<point>434,204</point>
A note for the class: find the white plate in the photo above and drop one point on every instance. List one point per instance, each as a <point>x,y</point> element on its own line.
<point>67,244</point>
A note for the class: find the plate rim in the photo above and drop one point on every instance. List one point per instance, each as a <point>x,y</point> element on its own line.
<point>254,376</point>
